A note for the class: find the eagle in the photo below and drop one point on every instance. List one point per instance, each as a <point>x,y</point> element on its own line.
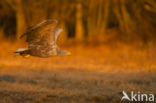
<point>41,39</point>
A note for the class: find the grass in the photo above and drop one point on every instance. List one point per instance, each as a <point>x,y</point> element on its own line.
<point>96,74</point>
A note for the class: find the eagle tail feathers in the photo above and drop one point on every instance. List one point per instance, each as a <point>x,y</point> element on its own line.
<point>21,51</point>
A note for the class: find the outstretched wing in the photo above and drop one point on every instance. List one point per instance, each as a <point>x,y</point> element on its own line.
<point>41,37</point>
<point>41,31</point>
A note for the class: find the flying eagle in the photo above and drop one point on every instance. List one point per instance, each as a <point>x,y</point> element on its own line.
<point>41,40</point>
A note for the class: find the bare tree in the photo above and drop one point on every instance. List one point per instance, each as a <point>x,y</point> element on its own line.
<point>79,24</point>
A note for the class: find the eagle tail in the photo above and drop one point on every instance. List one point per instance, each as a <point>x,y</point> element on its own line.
<point>21,51</point>
<point>16,54</point>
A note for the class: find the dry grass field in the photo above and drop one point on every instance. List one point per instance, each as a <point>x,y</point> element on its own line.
<point>96,74</point>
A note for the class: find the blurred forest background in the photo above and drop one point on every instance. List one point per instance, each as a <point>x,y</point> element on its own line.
<point>94,21</point>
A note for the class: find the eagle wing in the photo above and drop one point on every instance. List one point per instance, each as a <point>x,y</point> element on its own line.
<point>56,33</point>
<point>41,37</point>
<point>42,33</point>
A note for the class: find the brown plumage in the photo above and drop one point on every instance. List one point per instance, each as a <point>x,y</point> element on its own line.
<point>41,40</point>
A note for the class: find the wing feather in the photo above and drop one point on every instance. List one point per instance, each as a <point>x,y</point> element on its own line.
<point>56,33</point>
<point>41,34</point>
<point>40,31</point>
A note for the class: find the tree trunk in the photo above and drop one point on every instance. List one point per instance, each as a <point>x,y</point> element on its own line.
<point>102,21</point>
<point>79,23</point>
<point>106,15</point>
<point>126,18</point>
<point>1,33</point>
<point>20,19</point>
<point>20,23</point>
<point>118,14</point>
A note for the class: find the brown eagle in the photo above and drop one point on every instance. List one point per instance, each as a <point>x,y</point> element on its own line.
<point>41,40</point>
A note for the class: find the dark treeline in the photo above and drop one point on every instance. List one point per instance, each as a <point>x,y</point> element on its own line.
<point>96,20</point>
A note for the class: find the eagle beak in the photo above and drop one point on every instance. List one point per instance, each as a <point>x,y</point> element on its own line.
<point>69,53</point>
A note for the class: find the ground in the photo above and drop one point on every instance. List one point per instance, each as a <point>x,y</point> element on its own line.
<point>96,74</point>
